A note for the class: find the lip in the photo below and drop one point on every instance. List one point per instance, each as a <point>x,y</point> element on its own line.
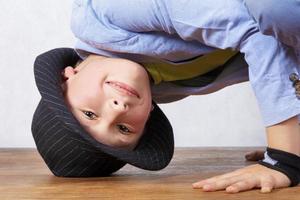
<point>124,88</point>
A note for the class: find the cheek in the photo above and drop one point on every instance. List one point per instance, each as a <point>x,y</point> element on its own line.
<point>79,92</point>
<point>141,116</point>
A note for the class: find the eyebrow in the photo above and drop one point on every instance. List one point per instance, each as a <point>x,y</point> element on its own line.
<point>126,144</point>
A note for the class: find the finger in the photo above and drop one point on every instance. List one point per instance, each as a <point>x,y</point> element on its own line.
<point>201,183</point>
<point>267,184</point>
<point>255,155</point>
<point>223,183</point>
<point>242,185</point>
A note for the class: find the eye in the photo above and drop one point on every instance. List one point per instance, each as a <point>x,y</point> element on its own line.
<point>90,115</point>
<point>123,129</point>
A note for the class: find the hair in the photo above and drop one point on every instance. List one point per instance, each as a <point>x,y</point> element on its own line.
<point>78,63</point>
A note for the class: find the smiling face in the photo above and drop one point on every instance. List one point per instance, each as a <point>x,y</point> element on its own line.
<point>111,99</point>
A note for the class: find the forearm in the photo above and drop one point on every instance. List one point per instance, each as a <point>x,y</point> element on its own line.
<point>285,136</point>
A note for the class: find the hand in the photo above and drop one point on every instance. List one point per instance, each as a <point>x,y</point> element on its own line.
<point>247,178</point>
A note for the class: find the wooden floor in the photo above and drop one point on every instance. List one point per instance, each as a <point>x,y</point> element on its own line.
<point>23,175</point>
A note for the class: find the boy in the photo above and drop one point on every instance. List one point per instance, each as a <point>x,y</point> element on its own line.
<point>114,98</point>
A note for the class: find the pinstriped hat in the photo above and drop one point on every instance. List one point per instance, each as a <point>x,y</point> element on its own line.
<point>67,149</point>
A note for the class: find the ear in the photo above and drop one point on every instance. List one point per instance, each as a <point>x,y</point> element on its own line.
<point>68,72</point>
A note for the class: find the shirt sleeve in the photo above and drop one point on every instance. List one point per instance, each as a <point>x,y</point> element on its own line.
<point>177,29</point>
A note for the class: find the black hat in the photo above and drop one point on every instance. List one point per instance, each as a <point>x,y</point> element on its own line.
<point>67,149</point>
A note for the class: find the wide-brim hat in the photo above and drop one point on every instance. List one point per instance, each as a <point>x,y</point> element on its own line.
<point>67,149</point>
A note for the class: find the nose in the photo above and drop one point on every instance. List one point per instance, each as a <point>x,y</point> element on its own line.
<point>119,105</point>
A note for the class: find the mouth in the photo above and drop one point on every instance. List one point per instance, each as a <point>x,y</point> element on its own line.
<point>123,88</point>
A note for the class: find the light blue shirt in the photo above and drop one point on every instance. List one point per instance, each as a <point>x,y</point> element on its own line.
<point>176,30</point>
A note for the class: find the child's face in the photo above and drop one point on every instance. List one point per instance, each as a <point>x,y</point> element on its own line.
<point>112,115</point>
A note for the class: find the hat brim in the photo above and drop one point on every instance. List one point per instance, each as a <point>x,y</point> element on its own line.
<point>155,148</point>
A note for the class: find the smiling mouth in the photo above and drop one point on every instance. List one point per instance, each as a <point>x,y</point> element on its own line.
<point>123,88</point>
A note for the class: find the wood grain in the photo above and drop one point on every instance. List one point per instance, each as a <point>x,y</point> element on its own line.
<point>24,175</point>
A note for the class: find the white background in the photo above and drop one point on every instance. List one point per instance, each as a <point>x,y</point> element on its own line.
<point>229,117</point>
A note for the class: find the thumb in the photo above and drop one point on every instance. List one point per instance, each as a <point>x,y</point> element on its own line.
<point>266,186</point>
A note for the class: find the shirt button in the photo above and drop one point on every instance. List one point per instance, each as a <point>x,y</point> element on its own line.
<point>294,77</point>
<point>296,83</point>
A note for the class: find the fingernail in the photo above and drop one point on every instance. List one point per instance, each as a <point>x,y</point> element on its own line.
<point>265,190</point>
<point>231,189</point>
<point>207,187</point>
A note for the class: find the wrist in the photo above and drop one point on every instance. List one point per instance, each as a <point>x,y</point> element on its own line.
<point>284,162</point>
<point>285,136</point>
